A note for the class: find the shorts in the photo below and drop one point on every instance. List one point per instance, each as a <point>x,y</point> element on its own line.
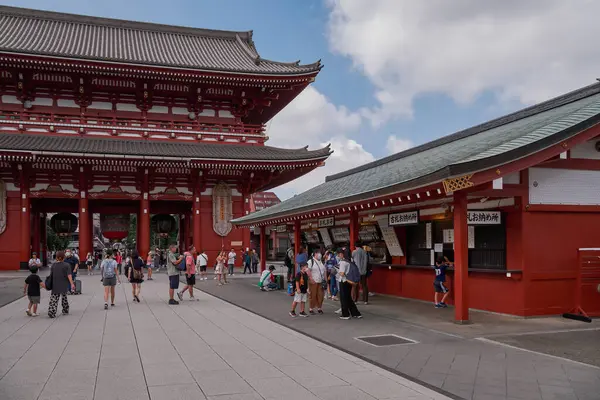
<point>219,269</point>
<point>440,287</point>
<point>173,281</point>
<point>190,280</point>
<point>203,268</point>
<point>34,299</point>
<point>110,281</point>
<point>300,297</point>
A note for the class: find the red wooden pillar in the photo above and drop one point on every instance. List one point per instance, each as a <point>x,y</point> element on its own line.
<point>297,237</point>
<point>461,259</point>
<point>197,236</point>
<point>245,231</point>
<point>353,229</point>
<point>144,219</point>
<point>263,249</point>
<point>275,243</point>
<point>25,247</point>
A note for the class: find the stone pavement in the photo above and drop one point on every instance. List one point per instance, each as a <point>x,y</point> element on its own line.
<point>470,361</point>
<point>197,350</point>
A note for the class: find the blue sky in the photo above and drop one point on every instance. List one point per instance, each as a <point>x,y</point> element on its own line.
<point>397,73</point>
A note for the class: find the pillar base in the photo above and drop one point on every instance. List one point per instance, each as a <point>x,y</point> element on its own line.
<point>463,322</point>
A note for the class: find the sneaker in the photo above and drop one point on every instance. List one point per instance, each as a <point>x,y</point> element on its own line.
<point>312,312</point>
<point>365,303</point>
<point>320,311</point>
<point>338,311</point>
<point>173,302</point>
<point>112,304</point>
<point>105,306</point>
<point>150,279</point>
<point>194,299</point>
<point>28,313</point>
<point>357,316</point>
<point>444,305</point>
<point>220,284</point>
<point>293,314</point>
<point>65,312</point>
<point>334,298</point>
<point>180,295</point>
<point>215,278</point>
<point>262,289</point>
<point>345,318</point>
<point>438,306</point>
<point>303,314</point>
<point>35,315</point>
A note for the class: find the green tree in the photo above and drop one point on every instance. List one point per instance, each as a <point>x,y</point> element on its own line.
<point>55,242</point>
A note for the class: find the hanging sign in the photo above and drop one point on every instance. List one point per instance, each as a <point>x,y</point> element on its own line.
<point>483,218</point>
<point>428,235</point>
<point>404,218</point>
<point>326,238</point>
<point>222,209</point>
<point>448,235</point>
<point>389,237</point>
<point>471,236</point>
<point>281,228</point>
<point>326,222</point>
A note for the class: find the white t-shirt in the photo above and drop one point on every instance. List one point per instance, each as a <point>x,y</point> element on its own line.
<point>344,266</point>
<point>34,261</point>
<point>317,270</point>
<point>202,260</point>
<point>231,257</point>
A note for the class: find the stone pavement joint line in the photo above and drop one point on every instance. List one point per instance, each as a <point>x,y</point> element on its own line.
<point>207,349</point>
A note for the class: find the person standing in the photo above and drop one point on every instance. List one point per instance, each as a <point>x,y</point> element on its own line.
<point>231,261</point>
<point>34,261</point>
<point>317,274</point>
<point>73,262</point>
<point>301,258</point>
<point>219,267</point>
<point>119,260</point>
<point>149,262</point>
<point>110,276</point>
<point>190,274</point>
<point>439,283</point>
<point>247,258</point>
<point>361,259</point>
<point>202,264</point>
<point>348,306</point>
<point>301,292</point>
<point>33,283</point>
<point>157,259</point>
<point>255,261</point>
<point>173,260</point>
<point>331,263</point>
<point>136,274</point>
<point>289,263</point>
<point>89,263</point>
<point>62,283</point>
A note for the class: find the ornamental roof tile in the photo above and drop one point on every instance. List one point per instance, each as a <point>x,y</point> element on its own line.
<point>54,34</point>
<point>481,147</point>
<point>187,150</point>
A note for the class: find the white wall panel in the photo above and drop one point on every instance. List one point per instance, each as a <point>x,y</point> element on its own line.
<point>564,186</point>
<point>586,150</point>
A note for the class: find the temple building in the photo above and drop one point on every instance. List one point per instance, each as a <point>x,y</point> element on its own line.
<point>513,202</point>
<point>112,117</point>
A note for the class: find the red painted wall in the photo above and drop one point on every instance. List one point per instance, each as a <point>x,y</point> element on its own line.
<point>9,240</point>
<point>550,258</point>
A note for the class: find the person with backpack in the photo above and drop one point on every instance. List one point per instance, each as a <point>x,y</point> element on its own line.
<point>110,276</point>
<point>361,258</point>
<point>348,276</point>
<point>190,274</point>
<point>267,280</point>
<point>201,264</point>
<point>136,274</point>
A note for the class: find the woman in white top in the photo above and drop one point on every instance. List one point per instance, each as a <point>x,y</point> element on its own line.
<point>317,284</point>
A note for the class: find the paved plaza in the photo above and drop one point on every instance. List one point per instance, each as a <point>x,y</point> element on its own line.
<point>205,349</point>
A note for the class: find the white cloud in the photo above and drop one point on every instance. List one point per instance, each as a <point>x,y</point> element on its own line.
<point>523,50</point>
<point>311,119</point>
<point>396,145</point>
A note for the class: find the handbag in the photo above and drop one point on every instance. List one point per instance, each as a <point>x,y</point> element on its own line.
<point>137,273</point>
<point>48,281</point>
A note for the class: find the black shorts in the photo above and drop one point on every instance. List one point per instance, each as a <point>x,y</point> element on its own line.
<point>173,281</point>
<point>203,268</point>
<point>440,287</point>
<point>190,280</point>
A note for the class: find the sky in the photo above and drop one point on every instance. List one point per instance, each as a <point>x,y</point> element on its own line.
<point>397,73</point>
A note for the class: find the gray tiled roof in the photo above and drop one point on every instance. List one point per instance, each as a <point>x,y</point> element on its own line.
<point>484,146</point>
<point>91,38</point>
<point>187,150</point>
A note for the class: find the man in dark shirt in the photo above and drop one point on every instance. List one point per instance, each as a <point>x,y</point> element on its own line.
<point>73,263</point>
<point>301,291</point>
<point>440,278</point>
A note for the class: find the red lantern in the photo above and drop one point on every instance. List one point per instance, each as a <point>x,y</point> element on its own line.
<point>114,226</point>
<point>63,224</point>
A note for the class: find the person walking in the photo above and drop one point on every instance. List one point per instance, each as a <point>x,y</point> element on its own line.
<point>157,259</point>
<point>34,261</point>
<point>173,260</point>
<point>110,276</point>
<point>231,261</point>
<point>316,283</point>
<point>73,261</point>
<point>62,283</point>
<point>136,274</point>
<point>331,263</point>
<point>149,262</point>
<point>202,264</point>
<point>89,263</point>
<point>247,258</point>
<point>33,283</point>
<point>220,266</point>
<point>190,274</point>
<point>119,260</point>
<point>348,306</point>
<point>361,259</point>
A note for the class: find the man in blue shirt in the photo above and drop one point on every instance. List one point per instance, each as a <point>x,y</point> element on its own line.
<point>301,258</point>
<point>439,283</point>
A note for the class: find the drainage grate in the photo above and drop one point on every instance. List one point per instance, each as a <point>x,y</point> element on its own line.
<point>385,340</point>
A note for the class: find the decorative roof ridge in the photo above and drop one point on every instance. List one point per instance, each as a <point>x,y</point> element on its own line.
<point>315,65</point>
<point>121,23</point>
<point>544,106</point>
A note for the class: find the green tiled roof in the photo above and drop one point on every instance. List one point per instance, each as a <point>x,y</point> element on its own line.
<point>483,146</point>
